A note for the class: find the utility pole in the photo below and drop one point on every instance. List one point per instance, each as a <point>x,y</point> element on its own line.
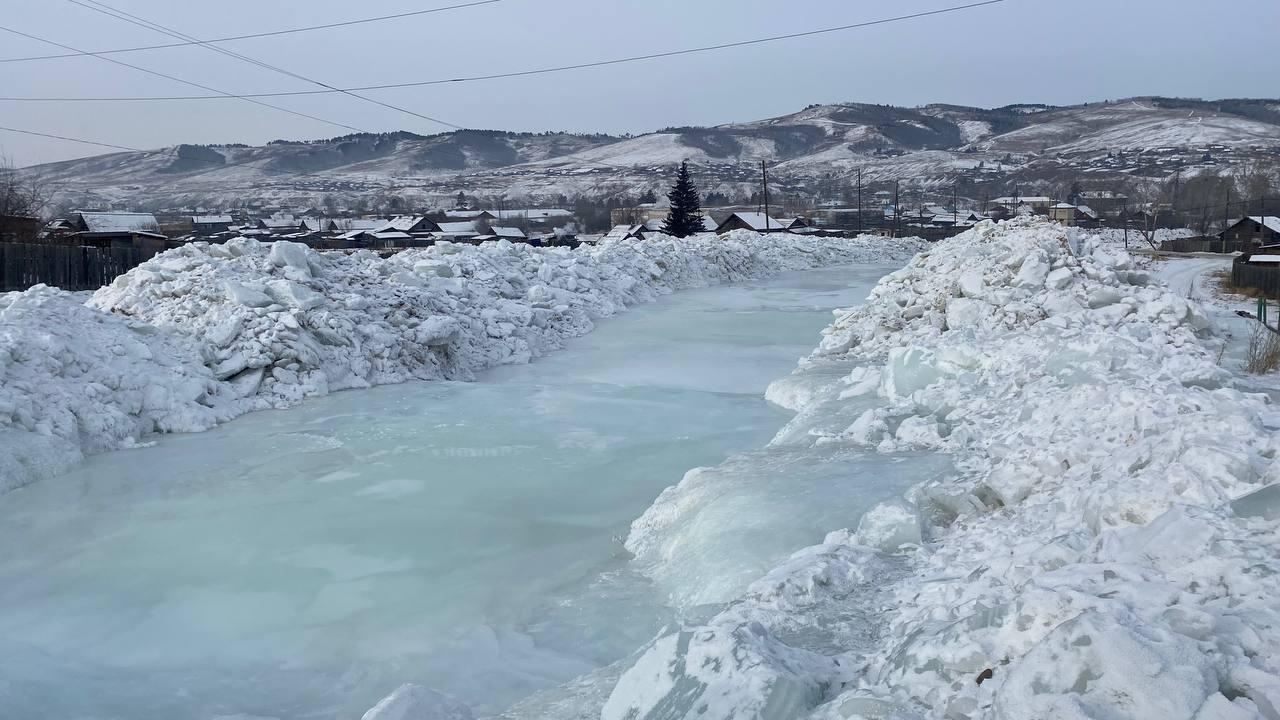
<point>955,209</point>
<point>1226,219</point>
<point>764,178</point>
<point>860,227</point>
<point>1124,218</point>
<point>897,210</point>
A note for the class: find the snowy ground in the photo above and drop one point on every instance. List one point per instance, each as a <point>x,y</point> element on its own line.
<point>205,333</point>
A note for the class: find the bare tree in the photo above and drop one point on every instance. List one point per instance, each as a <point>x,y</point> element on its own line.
<point>22,194</point>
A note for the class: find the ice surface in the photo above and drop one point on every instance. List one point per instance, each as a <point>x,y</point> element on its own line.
<point>460,536</point>
<point>705,540</point>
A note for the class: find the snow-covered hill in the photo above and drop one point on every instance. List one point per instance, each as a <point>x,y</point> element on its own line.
<point>932,145</point>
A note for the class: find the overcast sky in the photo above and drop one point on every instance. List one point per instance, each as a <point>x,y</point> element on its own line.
<point>1058,52</point>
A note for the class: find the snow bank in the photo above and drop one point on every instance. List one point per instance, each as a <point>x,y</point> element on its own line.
<point>1084,560</point>
<point>204,333</point>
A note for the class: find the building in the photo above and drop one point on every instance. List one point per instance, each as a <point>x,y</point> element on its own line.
<point>536,216</point>
<point>639,214</point>
<point>1255,230</point>
<point>464,214</point>
<point>118,230</point>
<point>19,229</point>
<point>463,231</point>
<point>1064,214</point>
<point>1103,201</point>
<point>410,224</point>
<point>1087,217</point>
<point>758,222</point>
<point>509,233</point>
<point>1039,204</point>
<point>211,224</point>
<point>280,224</point>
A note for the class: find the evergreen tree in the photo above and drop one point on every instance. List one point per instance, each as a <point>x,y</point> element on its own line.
<point>685,218</point>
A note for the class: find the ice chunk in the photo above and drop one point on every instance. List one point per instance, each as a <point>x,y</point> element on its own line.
<point>289,254</point>
<point>889,526</point>
<point>722,672</point>
<point>414,702</point>
<point>248,296</point>
<point>1058,279</point>
<point>908,370</point>
<point>1264,503</point>
<point>963,312</point>
<point>1104,296</point>
<point>1096,666</point>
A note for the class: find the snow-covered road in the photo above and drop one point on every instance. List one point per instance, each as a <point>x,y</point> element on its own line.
<point>1185,274</point>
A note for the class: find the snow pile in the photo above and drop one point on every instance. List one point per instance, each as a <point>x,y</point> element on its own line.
<point>76,380</point>
<point>1114,237</point>
<point>1084,560</point>
<point>204,333</point>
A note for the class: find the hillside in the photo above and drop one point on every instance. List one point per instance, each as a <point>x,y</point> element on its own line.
<point>813,152</point>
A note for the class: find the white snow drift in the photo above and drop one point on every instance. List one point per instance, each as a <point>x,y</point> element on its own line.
<point>1089,557</point>
<point>204,333</point>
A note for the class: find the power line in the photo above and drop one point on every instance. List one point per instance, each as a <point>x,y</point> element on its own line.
<point>71,139</point>
<point>184,82</point>
<point>218,165</point>
<point>105,9</point>
<point>274,33</point>
<point>540,71</point>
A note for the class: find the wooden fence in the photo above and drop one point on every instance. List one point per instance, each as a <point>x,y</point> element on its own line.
<point>1205,245</point>
<point>66,266</point>
<point>1260,277</point>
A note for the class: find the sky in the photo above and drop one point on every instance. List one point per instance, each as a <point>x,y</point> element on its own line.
<point>1062,52</point>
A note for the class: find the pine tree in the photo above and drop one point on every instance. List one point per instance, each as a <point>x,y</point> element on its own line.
<point>685,218</point>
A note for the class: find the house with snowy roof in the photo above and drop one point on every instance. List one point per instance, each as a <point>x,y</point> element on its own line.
<point>1038,204</point>
<point>1063,214</point>
<point>211,224</point>
<point>1256,230</point>
<point>410,224</point>
<point>464,214</point>
<point>119,229</point>
<point>758,222</point>
<point>280,224</point>
<point>463,231</point>
<point>513,234</point>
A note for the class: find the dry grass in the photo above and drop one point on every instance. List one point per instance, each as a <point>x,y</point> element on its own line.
<point>1264,351</point>
<point>1223,280</point>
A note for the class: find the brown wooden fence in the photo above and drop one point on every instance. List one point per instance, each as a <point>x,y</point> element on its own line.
<point>66,266</point>
<point>1206,245</point>
<point>1260,277</point>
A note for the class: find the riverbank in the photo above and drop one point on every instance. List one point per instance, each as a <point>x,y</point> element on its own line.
<point>1090,556</point>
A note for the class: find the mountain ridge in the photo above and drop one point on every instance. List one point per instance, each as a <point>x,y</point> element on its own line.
<point>930,146</point>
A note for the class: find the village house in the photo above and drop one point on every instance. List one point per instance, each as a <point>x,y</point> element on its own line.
<point>1039,204</point>
<point>211,224</point>
<point>460,231</point>
<point>117,230</point>
<point>280,224</point>
<point>19,229</point>
<point>466,214</point>
<point>1063,214</point>
<point>758,222</point>
<point>509,233</point>
<point>1102,201</point>
<point>1256,230</point>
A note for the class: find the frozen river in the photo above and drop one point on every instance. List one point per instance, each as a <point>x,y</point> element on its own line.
<point>467,537</point>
